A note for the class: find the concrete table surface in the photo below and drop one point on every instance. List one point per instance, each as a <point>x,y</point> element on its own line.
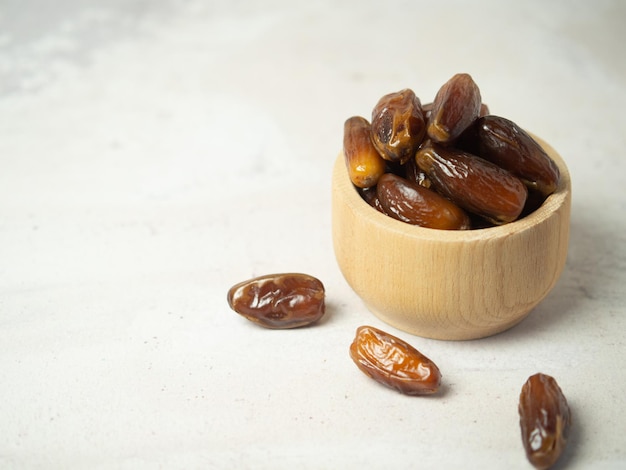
<point>154,153</point>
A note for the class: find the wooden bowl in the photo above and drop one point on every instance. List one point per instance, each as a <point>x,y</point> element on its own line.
<point>443,284</point>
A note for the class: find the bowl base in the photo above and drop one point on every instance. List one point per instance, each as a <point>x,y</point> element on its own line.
<point>446,333</point>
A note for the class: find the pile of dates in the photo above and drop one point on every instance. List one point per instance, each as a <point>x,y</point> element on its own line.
<point>448,164</point>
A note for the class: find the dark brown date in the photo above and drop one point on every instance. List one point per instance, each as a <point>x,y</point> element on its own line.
<point>411,203</point>
<point>504,143</point>
<point>393,362</point>
<point>473,183</point>
<point>545,420</point>
<point>364,163</point>
<point>279,301</point>
<point>398,125</point>
<point>456,105</point>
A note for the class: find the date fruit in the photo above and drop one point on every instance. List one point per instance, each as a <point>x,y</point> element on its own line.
<point>545,420</point>
<point>279,301</point>
<point>504,143</point>
<point>364,163</point>
<point>473,183</point>
<point>456,105</point>
<point>393,362</point>
<point>414,204</point>
<point>398,125</point>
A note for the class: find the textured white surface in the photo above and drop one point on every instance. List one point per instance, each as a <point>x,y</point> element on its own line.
<point>153,153</point>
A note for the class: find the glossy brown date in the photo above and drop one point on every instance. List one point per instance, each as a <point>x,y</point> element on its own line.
<point>398,125</point>
<point>456,105</point>
<point>364,163</point>
<point>545,420</point>
<point>504,143</point>
<point>393,362</point>
<point>414,204</point>
<point>279,301</point>
<point>473,183</point>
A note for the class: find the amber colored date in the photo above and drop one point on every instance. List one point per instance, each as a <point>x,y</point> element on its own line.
<point>456,105</point>
<point>545,420</point>
<point>473,183</point>
<point>393,362</point>
<point>398,125</point>
<point>364,163</point>
<point>504,143</point>
<point>279,301</point>
<point>414,204</point>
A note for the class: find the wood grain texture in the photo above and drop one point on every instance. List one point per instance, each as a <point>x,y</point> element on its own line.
<point>452,285</point>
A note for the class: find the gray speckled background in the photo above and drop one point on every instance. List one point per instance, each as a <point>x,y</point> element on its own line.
<point>153,153</point>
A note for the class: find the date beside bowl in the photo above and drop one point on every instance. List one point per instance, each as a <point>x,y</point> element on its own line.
<point>450,284</point>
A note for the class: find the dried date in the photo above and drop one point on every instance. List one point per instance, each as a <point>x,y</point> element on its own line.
<point>545,420</point>
<point>504,143</point>
<point>364,163</point>
<point>456,105</point>
<point>473,183</point>
<point>279,301</point>
<point>414,204</point>
<point>398,125</point>
<point>394,363</point>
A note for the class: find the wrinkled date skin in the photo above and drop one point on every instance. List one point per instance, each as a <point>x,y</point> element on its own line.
<point>504,143</point>
<point>364,163</point>
<point>279,301</point>
<point>473,183</point>
<point>456,105</point>
<point>545,420</point>
<point>398,125</point>
<point>394,363</point>
<point>411,203</point>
